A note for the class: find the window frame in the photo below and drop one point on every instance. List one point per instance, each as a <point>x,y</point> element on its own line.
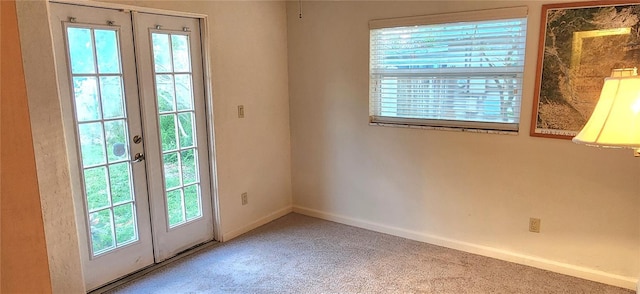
<point>434,123</point>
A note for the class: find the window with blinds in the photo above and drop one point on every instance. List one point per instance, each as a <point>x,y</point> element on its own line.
<point>460,70</point>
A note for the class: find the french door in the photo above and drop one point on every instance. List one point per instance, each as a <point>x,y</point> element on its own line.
<point>133,98</point>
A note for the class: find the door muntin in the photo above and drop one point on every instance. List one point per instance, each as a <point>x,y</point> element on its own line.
<point>103,136</point>
<point>177,128</point>
<point>125,182</point>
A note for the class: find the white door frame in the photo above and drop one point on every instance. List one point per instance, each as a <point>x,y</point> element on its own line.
<point>208,88</point>
<point>208,103</point>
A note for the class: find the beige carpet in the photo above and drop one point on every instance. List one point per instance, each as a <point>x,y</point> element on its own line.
<point>300,254</point>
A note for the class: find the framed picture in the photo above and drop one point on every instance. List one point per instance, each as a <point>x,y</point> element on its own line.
<point>580,43</point>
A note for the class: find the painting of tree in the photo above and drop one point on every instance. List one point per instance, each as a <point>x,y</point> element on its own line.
<point>582,43</point>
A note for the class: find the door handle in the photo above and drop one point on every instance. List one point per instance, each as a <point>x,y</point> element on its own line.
<point>138,157</point>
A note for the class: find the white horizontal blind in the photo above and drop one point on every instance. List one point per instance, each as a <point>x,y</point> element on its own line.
<point>466,74</point>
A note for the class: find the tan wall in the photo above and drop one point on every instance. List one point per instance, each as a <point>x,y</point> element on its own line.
<point>24,264</point>
<point>473,192</point>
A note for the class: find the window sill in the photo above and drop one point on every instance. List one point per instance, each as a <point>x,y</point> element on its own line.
<point>450,129</point>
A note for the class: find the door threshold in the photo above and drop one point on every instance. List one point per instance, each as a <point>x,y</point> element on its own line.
<point>137,274</point>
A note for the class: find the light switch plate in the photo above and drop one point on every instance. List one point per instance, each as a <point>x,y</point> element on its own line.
<point>240,111</point>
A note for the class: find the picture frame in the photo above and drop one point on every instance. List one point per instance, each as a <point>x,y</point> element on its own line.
<point>580,43</point>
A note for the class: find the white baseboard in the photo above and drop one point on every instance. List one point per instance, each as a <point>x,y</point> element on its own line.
<point>257,223</point>
<point>546,264</point>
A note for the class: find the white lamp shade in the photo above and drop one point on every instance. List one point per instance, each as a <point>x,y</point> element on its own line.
<point>615,122</point>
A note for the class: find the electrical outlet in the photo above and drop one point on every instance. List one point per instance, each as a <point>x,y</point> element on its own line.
<point>534,225</point>
<point>245,198</point>
<point>240,111</point>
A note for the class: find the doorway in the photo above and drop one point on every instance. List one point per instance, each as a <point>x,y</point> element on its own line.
<point>133,99</point>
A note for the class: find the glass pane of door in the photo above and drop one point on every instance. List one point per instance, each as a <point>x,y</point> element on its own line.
<point>176,114</point>
<point>102,127</point>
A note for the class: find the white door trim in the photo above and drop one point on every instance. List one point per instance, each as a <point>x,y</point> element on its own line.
<point>208,105</point>
<point>130,8</point>
<point>208,89</point>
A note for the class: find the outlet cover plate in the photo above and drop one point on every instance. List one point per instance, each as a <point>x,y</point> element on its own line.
<point>534,225</point>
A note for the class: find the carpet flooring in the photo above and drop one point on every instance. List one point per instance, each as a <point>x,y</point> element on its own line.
<point>301,254</point>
